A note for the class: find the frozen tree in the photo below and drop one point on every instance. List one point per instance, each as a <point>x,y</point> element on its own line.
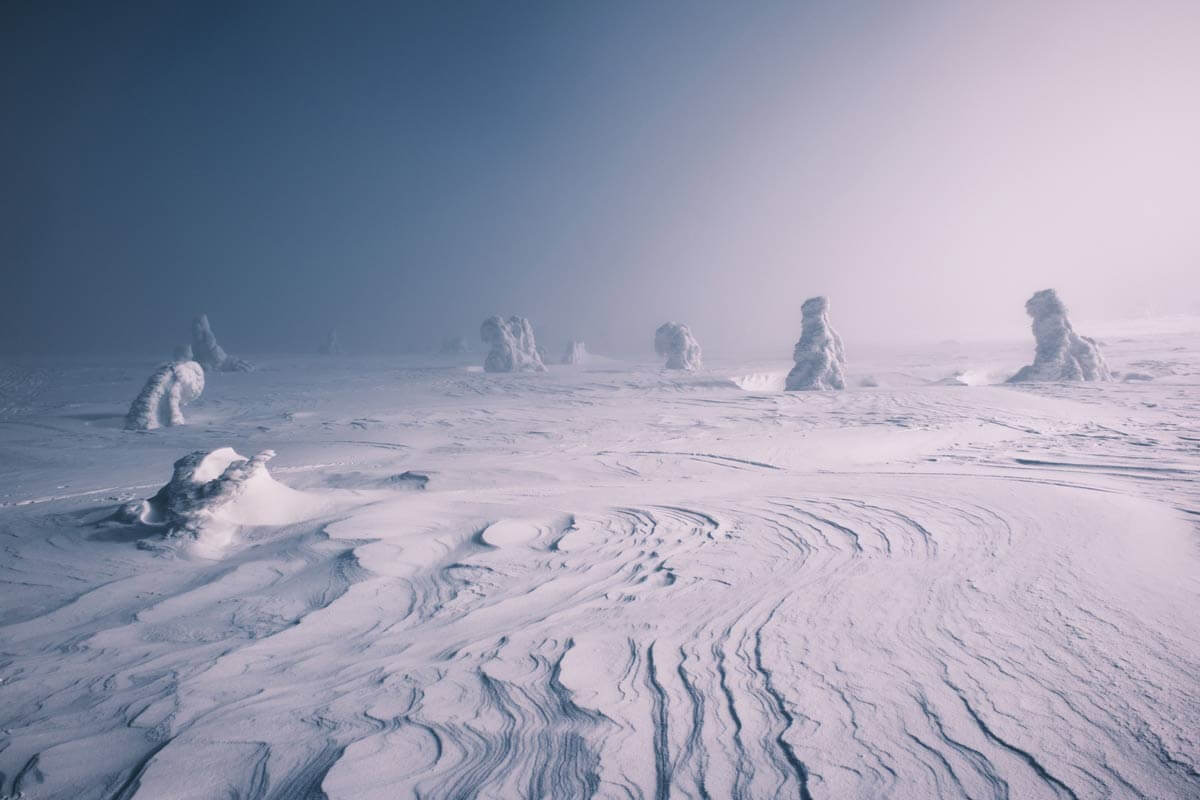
<point>162,398</point>
<point>513,348</point>
<point>675,342</point>
<point>210,354</point>
<point>576,353</point>
<point>330,346</point>
<point>183,352</point>
<point>1061,354</point>
<point>455,345</point>
<point>819,355</point>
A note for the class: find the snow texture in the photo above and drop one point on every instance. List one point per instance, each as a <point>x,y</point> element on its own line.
<point>330,346</point>
<point>576,352</point>
<point>1062,354</point>
<point>209,353</point>
<point>819,355</point>
<point>161,401</point>
<point>674,341</point>
<point>513,348</point>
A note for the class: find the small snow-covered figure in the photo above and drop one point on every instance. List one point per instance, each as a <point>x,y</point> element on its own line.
<point>576,353</point>
<point>819,355</point>
<point>330,346</point>
<point>513,348</point>
<point>455,345</point>
<point>211,355</point>
<point>1062,354</point>
<point>162,398</point>
<point>674,341</point>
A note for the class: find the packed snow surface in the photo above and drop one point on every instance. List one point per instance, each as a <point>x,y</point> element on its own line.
<point>675,342</point>
<point>616,582</point>
<point>820,358</point>
<point>209,353</point>
<point>161,401</point>
<point>1062,354</point>
<point>513,348</point>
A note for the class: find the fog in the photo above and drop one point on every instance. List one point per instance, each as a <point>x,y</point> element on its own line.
<point>401,173</point>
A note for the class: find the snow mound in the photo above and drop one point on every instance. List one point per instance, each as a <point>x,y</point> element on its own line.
<point>213,493</point>
<point>819,355</point>
<point>1062,354</point>
<point>513,348</point>
<point>674,341</point>
<point>760,381</point>
<point>576,353</point>
<point>330,347</point>
<point>161,400</point>
<point>209,353</point>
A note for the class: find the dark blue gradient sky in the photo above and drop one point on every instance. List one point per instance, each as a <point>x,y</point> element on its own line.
<point>400,171</point>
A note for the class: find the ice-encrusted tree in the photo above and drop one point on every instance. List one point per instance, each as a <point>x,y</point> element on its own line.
<point>209,353</point>
<point>161,401</point>
<point>819,355</point>
<point>512,346</point>
<point>576,352</point>
<point>1061,354</point>
<point>675,342</point>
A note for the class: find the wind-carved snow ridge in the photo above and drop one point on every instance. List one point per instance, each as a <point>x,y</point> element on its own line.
<point>576,352</point>
<point>212,493</point>
<point>819,355</point>
<point>330,347</point>
<point>211,355</point>
<point>161,400</point>
<point>513,348</point>
<point>675,342</point>
<point>1062,354</point>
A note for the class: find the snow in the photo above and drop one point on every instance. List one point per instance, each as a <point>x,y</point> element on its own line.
<point>819,356</point>
<point>209,353</point>
<point>1062,354</point>
<point>161,401</point>
<point>613,582</point>
<point>331,346</point>
<point>675,342</point>
<point>576,352</point>
<point>513,348</point>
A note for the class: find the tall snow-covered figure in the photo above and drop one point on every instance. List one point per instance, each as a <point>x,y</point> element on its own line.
<point>819,355</point>
<point>513,348</point>
<point>576,352</point>
<point>161,401</point>
<point>674,341</point>
<point>1062,354</point>
<point>211,355</point>
<point>330,347</point>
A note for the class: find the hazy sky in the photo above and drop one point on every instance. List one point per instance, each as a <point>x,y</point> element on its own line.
<point>401,171</point>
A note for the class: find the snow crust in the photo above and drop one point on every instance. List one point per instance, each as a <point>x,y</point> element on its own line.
<point>161,401</point>
<point>209,353</point>
<point>675,342</point>
<point>1061,354</point>
<point>513,348</point>
<point>576,352</point>
<point>819,356</point>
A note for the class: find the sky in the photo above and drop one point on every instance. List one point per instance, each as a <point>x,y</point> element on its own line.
<point>400,171</point>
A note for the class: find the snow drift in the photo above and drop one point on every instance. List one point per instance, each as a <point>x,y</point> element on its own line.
<point>675,342</point>
<point>161,400</point>
<point>513,348</point>
<point>1062,354</point>
<point>819,355</point>
<point>576,353</point>
<point>209,353</point>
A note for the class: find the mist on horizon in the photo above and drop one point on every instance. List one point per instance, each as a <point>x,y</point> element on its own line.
<point>400,172</point>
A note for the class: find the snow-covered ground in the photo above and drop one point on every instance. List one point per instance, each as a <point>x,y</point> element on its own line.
<point>617,581</point>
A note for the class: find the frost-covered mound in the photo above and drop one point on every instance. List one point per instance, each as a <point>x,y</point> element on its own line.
<point>675,342</point>
<point>513,348</point>
<point>819,355</point>
<point>1062,354</point>
<point>330,347</point>
<point>576,353</point>
<point>209,353</point>
<point>161,400</point>
<point>212,493</point>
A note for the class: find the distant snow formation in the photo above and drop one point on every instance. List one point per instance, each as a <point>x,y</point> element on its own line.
<point>211,355</point>
<point>161,400</point>
<point>674,341</point>
<point>513,348</point>
<point>1062,354</point>
<point>455,345</point>
<point>576,352</point>
<point>183,352</point>
<point>330,346</point>
<point>819,355</point>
